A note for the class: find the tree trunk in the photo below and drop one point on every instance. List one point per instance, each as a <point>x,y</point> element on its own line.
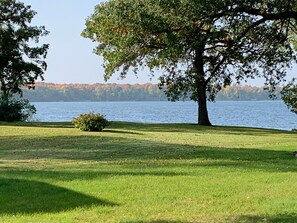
<point>202,106</point>
<point>201,84</point>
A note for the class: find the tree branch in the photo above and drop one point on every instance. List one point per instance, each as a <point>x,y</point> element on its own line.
<point>272,16</point>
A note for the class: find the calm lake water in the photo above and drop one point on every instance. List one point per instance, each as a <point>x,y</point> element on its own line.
<point>263,114</point>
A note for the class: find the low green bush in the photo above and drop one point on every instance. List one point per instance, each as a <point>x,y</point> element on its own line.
<point>90,122</point>
<point>16,110</point>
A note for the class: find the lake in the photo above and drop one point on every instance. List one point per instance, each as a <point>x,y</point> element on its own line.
<point>262,114</point>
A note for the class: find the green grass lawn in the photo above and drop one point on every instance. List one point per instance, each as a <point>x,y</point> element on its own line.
<point>146,173</point>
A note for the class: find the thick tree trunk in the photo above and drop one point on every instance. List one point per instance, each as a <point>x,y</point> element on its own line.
<point>201,84</point>
<point>202,106</point>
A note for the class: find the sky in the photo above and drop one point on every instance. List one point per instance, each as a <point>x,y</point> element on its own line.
<point>70,58</point>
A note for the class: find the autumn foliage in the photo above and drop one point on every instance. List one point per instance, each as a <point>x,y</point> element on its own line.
<point>126,92</point>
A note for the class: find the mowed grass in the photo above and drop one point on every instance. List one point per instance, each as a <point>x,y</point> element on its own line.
<point>146,173</point>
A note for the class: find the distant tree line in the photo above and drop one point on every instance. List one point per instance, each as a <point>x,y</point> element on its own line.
<point>95,92</point>
<point>49,92</point>
<point>247,93</point>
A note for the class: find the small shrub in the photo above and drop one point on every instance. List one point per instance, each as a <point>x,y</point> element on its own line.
<point>90,122</point>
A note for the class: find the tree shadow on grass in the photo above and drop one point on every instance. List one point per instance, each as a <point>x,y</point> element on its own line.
<point>106,148</point>
<point>28,197</point>
<point>63,125</point>
<point>281,218</point>
<point>241,219</point>
<point>157,127</point>
<point>194,128</point>
<point>156,221</point>
<point>82,175</point>
<point>39,124</point>
<point>122,132</point>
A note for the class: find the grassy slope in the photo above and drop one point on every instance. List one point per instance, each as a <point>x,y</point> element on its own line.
<point>146,173</point>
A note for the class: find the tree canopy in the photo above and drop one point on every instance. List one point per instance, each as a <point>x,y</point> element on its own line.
<point>199,45</point>
<point>21,60</point>
<point>289,95</point>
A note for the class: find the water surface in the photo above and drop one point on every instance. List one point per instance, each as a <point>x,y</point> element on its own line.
<point>263,114</point>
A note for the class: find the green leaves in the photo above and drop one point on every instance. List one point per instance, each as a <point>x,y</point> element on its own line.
<point>164,33</point>
<point>289,95</point>
<point>201,45</point>
<point>134,33</point>
<point>16,110</point>
<point>22,59</point>
<point>90,122</point>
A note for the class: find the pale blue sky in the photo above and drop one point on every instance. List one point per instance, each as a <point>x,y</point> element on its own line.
<point>71,58</point>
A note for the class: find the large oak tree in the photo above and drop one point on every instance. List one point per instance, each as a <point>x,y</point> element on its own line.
<point>200,45</point>
<point>21,58</point>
